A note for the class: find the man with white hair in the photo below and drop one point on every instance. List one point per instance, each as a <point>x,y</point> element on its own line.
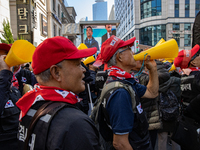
<point>57,66</point>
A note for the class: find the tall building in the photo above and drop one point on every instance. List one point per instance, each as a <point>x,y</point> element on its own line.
<point>5,14</point>
<point>112,13</point>
<point>36,20</point>
<point>149,21</point>
<point>100,10</point>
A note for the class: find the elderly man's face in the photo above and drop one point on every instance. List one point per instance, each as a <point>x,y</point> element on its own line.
<point>127,57</point>
<point>72,74</point>
<point>196,61</point>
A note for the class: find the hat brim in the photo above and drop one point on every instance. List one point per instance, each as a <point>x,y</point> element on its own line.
<point>194,50</point>
<point>98,63</point>
<point>129,42</point>
<point>4,46</point>
<point>83,53</point>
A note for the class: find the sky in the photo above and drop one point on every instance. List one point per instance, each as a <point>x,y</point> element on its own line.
<point>83,8</point>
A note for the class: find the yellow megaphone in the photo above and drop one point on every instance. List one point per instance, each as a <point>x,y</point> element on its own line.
<point>82,46</point>
<point>89,60</point>
<point>172,68</point>
<point>160,42</point>
<point>20,52</point>
<point>168,49</point>
<point>169,60</point>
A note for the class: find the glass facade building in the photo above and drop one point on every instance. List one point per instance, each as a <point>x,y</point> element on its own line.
<point>187,8</point>
<point>100,11</point>
<point>150,8</point>
<point>157,19</point>
<point>176,9</point>
<point>197,7</point>
<point>151,35</point>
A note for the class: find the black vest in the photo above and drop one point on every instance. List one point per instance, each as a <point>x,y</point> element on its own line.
<point>190,86</point>
<point>140,127</point>
<point>10,117</point>
<point>39,135</point>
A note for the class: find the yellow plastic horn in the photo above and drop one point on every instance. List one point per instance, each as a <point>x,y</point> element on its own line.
<point>160,42</point>
<point>20,52</point>
<point>168,49</point>
<point>169,60</point>
<point>82,46</point>
<point>89,60</point>
<point>172,68</point>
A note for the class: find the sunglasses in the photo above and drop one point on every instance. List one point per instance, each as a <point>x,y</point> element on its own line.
<point>125,49</point>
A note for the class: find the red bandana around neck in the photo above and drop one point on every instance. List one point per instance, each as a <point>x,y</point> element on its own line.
<point>194,69</point>
<point>14,82</point>
<point>42,93</point>
<point>119,73</point>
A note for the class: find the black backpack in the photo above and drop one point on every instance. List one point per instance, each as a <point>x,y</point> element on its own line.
<point>169,106</point>
<point>100,116</point>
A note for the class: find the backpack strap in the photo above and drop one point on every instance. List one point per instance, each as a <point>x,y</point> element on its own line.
<point>43,110</point>
<point>110,87</point>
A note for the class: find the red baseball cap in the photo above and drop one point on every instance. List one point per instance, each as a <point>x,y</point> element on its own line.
<point>185,56</point>
<point>54,50</point>
<point>109,47</point>
<point>4,46</point>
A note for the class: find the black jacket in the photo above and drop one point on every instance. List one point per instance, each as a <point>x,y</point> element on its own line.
<point>190,86</point>
<point>9,112</point>
<point>25,76</point>
<point>105,36</point>
<point>69,129</point>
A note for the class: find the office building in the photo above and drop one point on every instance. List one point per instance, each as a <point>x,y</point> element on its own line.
<point>5,14</point>
<point>100,10</point>
<point>149,21</point>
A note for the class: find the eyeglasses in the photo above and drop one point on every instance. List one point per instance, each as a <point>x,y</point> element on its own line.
<point>125,49</point>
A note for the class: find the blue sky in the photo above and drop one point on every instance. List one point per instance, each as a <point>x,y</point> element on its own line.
<point>83,8</point>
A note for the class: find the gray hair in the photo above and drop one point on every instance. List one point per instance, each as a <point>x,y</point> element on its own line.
<point>45,75</point>
<point>112,61</point>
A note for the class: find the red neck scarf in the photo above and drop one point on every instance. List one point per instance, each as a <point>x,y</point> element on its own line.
<point>194,69</point>
<point>119,73</point>
<point>42,93</point>
<point>14,82</point>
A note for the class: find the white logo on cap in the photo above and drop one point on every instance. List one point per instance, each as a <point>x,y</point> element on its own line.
<point>187,53</point>
<point>113,42</point>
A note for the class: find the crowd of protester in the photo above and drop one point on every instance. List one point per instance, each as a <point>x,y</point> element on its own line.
<point>111,102</point>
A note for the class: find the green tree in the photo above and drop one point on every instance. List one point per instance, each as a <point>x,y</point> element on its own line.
<point>7,35</point>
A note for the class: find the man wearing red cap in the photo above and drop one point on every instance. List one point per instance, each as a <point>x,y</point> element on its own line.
<point>189,62</point>
<point>57,66</point>
<point>129,125</point>
<point>9,113</point>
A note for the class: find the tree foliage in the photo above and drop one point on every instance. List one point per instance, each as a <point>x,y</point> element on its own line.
<point>7,35</point>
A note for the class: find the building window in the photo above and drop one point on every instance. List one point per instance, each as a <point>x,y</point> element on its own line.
<point>150,8</point>
<point>187,26</point>
<point>54,5</point>
<point>151,35</point>
<point>176,9</point>
<point>197,7</point>
<point>54,30</point>
<point>187,8</point>
<point>58,11</point>
<point>176,26</point>
<point>59,32</point>
<point>177,38</point>
<point>187,40</point>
